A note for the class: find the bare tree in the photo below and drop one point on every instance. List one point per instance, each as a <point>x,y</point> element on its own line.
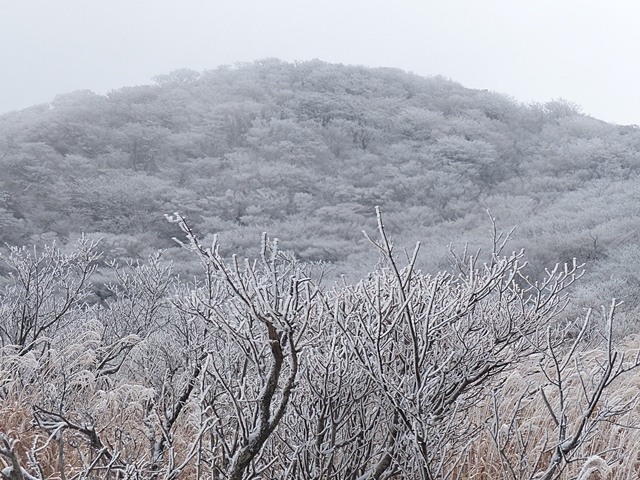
<point>138,308</point>
<point>46,287</point>
<point>259,313</point>
<point>433,344</point>
<point>337,425</point>
<point>572,380</point>
<point>15,470</point>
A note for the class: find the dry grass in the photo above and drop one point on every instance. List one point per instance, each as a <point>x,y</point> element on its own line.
<point>125,423</point>
<point>523,424</point>
<point>529,434</point>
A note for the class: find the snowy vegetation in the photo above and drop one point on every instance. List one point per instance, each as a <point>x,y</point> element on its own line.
<point>231,355</point>
<point>306,151</point>
<point>253,370</point>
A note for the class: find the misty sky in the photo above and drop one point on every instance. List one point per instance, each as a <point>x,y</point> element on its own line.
<point>584,51</point>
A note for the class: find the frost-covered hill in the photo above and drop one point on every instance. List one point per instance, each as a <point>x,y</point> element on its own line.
<point>306,150</point>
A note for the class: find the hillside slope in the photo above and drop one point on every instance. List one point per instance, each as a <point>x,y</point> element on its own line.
<point>306,150</point>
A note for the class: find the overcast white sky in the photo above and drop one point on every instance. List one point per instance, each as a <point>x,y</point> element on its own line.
<point>585,51</point>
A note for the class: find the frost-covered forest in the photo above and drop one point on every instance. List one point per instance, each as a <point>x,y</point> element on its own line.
<point>328,353</point>
<point>306,151</point>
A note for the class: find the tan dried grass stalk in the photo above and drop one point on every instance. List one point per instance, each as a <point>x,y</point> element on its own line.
<point>611,452</point>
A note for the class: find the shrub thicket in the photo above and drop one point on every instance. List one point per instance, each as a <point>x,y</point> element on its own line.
<point>254,369</point>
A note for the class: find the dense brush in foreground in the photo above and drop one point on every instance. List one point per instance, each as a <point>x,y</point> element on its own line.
<point>253,370</point>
